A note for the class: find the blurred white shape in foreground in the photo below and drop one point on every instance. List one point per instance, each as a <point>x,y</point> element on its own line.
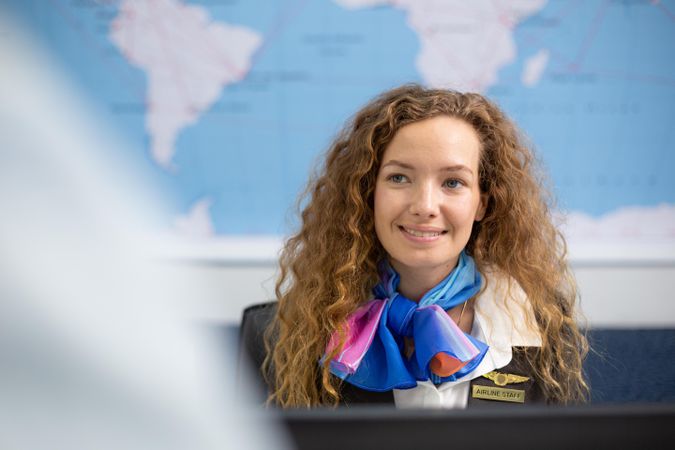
<point>95,351</point>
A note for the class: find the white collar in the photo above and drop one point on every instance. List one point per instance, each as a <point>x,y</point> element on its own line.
<point>503,319</point>
<point>504,314</point>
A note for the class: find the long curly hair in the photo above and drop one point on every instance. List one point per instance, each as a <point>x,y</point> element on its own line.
<point>329,267</point>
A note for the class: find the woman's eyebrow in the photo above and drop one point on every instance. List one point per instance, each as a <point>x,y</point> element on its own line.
<point>453,168</point>
<point>394,162</point>
<point>457,168</point>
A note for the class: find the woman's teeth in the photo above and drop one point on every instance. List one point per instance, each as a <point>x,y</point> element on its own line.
<point>417,233</point>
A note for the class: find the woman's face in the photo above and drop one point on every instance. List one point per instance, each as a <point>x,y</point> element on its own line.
<point>427,196</point>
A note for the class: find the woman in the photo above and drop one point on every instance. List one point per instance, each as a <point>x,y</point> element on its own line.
<point>427,270</point>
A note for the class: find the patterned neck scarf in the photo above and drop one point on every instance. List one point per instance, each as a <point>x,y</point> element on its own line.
<point>373,357</point>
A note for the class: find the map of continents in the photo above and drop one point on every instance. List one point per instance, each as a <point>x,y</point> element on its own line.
<point>230,103</point>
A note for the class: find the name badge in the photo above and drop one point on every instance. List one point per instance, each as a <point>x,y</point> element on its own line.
<point>497,393</point>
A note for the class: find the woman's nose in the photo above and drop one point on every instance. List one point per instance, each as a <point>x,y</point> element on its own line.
<point>424,201</point>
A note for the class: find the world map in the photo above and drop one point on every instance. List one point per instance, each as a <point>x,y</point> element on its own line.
<point>230,104</point>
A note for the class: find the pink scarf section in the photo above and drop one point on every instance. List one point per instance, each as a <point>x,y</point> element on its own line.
<point>361,327</point>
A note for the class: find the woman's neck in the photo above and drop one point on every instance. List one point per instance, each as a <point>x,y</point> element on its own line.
<point>415,282</point>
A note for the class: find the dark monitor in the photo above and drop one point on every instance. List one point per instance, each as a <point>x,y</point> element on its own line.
<point>593,427</point>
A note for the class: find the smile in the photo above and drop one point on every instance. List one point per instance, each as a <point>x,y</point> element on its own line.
<point>421,233</point>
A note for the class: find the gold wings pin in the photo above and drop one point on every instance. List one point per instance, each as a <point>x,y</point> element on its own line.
<point>502,379</point>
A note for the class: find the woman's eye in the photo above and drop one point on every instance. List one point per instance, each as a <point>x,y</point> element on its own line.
<point>398,178</point>
<point>452,183</point>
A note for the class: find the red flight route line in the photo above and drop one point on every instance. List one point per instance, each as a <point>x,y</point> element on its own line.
<point>590,37</point>
<point>663,9</point>
<point>277,28</point>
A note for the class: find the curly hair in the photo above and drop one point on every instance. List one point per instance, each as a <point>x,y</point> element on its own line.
<point>328,268</point>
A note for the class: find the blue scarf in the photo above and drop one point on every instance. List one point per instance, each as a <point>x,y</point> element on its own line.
<point>373,357</point>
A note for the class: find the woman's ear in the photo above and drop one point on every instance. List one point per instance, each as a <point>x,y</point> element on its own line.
<point>482,207</point>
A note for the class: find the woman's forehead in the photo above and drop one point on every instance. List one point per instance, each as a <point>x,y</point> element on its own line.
<point>440,143</point>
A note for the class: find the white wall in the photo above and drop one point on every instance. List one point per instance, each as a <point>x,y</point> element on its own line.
<point>628,296</point>
<point>636,295</point>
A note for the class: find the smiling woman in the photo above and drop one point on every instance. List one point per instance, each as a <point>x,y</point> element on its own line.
<point>427,199</point>
<point>427,271</point>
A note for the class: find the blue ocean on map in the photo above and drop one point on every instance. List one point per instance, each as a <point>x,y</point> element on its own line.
<point>602,129</point>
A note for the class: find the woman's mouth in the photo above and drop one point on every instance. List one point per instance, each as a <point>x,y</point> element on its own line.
<point>421,233</point>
